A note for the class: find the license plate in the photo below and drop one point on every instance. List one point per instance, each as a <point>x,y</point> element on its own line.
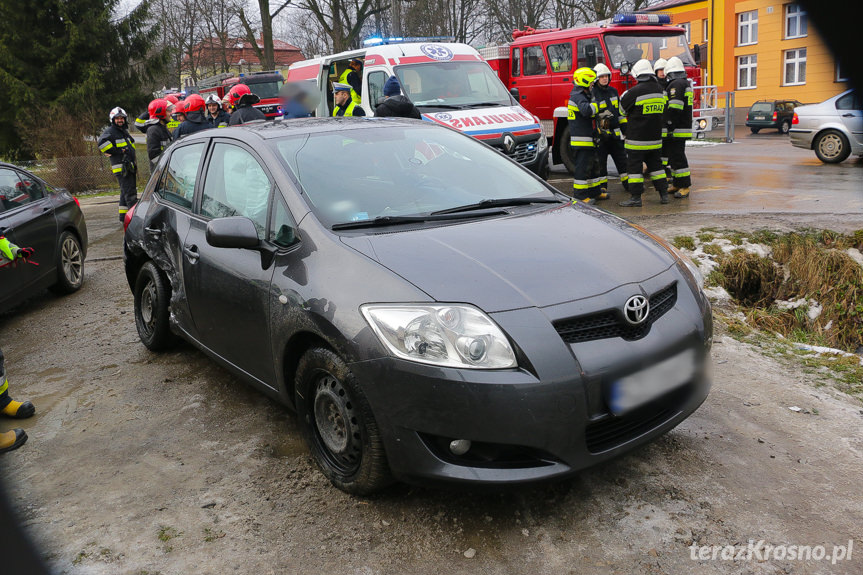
<point>759,117</point>
<point>636,389</point>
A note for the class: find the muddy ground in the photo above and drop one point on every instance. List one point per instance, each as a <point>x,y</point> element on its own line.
<point>142,463</point>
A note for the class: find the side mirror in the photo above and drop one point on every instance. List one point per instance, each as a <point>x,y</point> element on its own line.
<point>232,232</point>
<point>624,68</point>
<point>514,92</point>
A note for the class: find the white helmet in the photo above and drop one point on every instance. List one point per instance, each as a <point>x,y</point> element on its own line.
<point>674,64</point>
<point>601,70</point>
<point>642,68</point>
<point>660,64</point>
<point>118,111</point>
<point>213,99</point>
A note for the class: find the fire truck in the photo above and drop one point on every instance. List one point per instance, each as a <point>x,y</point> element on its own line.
<point>537,66</point>
<point>265,85</point>
<point>448,82</point>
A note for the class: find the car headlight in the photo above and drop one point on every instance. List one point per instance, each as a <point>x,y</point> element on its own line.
<point>445,335</point>
<point>542,143</point>
<point>690,265</point>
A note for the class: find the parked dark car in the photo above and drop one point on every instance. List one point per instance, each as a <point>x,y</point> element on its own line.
<point>433,311</point>
<point>771,114</point>
<point>49,220</point>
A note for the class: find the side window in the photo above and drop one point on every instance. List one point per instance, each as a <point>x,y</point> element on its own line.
<point>282,227</point>
<point>534,61</point>
<point>376,81</point>
<point>516,62</point>
<point>560,56</point>
<point>34,187</point>
<point>589,53</point>
<point>236,185</point>
<point>178,184</point>
<point>8,190</point>
<point>848,102</point>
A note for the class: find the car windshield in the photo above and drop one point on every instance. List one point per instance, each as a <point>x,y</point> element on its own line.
<point>264,90</point>
<point>452,84</point>
<point>631,48</point>
<point>393,171</point>
<point>762,107</point>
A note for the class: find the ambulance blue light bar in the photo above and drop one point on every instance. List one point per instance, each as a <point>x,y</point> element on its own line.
<point>629,18</point>
<point>378,41</point>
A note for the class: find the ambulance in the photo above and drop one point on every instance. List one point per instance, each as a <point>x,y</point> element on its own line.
<point>449,83</point>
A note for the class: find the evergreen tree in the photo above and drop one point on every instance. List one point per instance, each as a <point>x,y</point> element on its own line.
<point>70,59</point>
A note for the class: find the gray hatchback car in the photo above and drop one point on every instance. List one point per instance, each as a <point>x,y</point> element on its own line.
<point>433,311</point>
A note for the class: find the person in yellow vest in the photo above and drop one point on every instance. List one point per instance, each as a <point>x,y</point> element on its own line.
<point>353,76</point>
<point>343,103</point>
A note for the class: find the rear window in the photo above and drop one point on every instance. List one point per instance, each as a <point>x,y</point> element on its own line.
<point>762,107</point>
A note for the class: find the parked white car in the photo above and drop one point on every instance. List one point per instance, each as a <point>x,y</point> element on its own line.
<point>833,128</point>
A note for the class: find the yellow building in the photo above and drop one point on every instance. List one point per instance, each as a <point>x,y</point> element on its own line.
<point>759,49</point>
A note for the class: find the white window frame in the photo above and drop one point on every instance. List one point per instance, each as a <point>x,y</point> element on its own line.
<point>705,30</point>
<point>686,32</point>
<point>751,67</point>
<point>663,43</point>
<point>799,17</point>
<point>840,76</point>
<point>794,58</point>
<point>747,21</point>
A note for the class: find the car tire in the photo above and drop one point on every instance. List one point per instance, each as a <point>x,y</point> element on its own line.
<point>784,127</point>
<point>565,150</point>
<point>338,424</point>
<point>70,264</point>
<point>754,130</point>
<point>831,147</point>
<point>152,303</point>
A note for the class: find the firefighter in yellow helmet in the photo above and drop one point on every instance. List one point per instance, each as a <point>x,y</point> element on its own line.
<point>581,113</point>
<point>10,256</point>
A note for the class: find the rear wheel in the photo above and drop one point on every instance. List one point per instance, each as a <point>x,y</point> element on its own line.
<point>70,264</point>
<point>565,150</point>
<point>754,130</point>
<point>338,424</point>
<point>831,147</point>
<point>784,127</point>
<point>152,300</point>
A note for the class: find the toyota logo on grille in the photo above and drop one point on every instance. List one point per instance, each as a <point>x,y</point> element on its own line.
<point>636,309</point>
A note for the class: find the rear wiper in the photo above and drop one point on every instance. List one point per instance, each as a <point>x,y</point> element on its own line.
<point>396,220</point>
<point>497,203</point>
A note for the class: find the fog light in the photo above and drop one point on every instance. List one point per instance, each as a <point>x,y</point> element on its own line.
<point>459,446</point>
<point>702,124</point>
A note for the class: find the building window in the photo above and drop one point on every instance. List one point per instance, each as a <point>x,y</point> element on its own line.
<point>841,74</point>
<point>795,21</point>
<point>747,70</point>
<point>747,28</point>
<point>686,31</point>
<point>795,67</point>
<point>706,24</point>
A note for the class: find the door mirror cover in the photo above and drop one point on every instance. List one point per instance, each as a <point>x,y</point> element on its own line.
<point>232,232</point>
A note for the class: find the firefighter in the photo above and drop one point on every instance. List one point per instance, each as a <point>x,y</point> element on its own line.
<point>10,255</point>
<point>581,112</point>
<point>216,116</point>
<point>606,98</point>
<point>172,108</point>
<point>352,76</point>
<point>243,100</point>
<point>116,143</point>
<point>643,105</point>
<point>193,110</point>
<point>659,70</point>
<point>141,122</point>
<point>343,104</point>
<point>158,136</point>
<point>678,118</point>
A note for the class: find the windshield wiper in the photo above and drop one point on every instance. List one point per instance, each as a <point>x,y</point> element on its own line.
<point>497,203</point>
<point>381,221</point>
<point>445,106</point>
<point>485,104</point>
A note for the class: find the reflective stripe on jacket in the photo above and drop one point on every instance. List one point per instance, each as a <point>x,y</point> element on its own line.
<point>644,106</point>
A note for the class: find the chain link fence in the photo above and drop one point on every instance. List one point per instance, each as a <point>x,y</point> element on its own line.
<point>85,174</point>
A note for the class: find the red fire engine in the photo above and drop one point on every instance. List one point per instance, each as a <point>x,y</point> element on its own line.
<point>537,66</point>
<point>265,85</point>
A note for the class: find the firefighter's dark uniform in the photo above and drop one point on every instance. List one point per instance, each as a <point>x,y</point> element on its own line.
<point>15,438</point>
<point>158,140</point>
<point>245,113</point>
<point>643,106</point>
<point>220,120</point>
<point>611,141</point>
<point>194,122</point>
<point>678,120</point>
<point>142,122</point>
<point>120,147</point>
<point>580,112</point>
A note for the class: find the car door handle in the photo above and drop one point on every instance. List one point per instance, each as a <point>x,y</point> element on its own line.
<point>155,232</point>
<point>847,115</point>
<point>192,253</point>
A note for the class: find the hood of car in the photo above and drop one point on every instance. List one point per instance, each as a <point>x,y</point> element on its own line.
<point>538,259</point>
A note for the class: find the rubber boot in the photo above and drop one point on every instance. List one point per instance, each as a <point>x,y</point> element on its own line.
<point>681,193</point>
<point>663,198</point>
<point>12,440</point>
<point>632,202</point>
<point>603,194</point>
<point>19,410</point>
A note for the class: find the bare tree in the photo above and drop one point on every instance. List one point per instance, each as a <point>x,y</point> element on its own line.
<point>596,10</point>
<point>508,15</point>
<point>459,19</point>
<point>179,23</point>
<point>265,53</point>
<point>343,20</point>
<point>221,24</point>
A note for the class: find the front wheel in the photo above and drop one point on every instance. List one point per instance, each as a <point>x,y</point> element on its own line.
<point>70,264</point>
<point>831,147</point>
<point>565,150</point>
<point>152,300</point>
<point>338,424</point>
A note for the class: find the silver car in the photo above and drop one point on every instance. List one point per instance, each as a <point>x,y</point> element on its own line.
<point>833,128</point>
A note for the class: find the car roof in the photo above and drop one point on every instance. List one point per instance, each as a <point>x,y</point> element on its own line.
<point>269,130</point>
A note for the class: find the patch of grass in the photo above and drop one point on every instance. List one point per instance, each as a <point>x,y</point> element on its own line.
<point>712,249</point>
<point>683,242</point>
<point>704,237</point>
<point>79,558</point>
<point>165,534</point>
<point>763,237</point>
<point>714,279</point>
<point>210,535</point>
<point>749,278</point>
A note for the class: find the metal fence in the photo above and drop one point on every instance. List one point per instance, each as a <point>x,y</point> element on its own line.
<point>84,174</point>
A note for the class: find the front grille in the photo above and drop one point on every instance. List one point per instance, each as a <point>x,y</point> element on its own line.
<point>523,153</point>
<point>614,431</point>
<point>610,323</point>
